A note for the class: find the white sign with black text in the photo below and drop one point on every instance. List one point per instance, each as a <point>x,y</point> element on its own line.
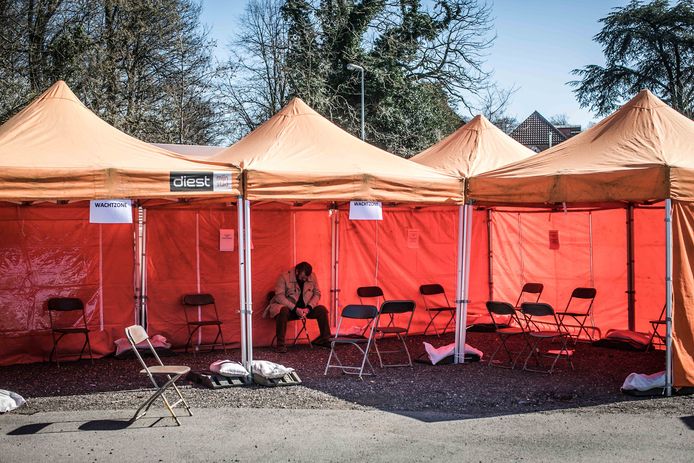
<point>110,211</point>
<point>365,210</point>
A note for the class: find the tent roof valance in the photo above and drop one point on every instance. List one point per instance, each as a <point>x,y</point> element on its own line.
<point>642,152</point>
<point>57,149</point>
<point>298,155</point>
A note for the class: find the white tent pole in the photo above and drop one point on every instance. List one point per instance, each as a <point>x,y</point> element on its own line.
<point>668,296</point>
<point>249,287</point>
<point>490,255</point>
<point>143,272</point>
<point>337,265</point>
<point>137,277</point>
<point>242,277</point>
<point>466,276</point>
<point>332,264</point>
<point>459,284</point>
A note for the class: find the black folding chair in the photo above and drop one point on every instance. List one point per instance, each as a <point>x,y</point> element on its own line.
<point>136,335</point>
<point>372,292</point>
<point>579,309</point>
<point>367,313</point>
<point>504,332</point>
<point>530,292</point>
<point>428,293</point>
<point>292,318</point>
<point>656,326</point>
<point>395,308</point>
<point>191,301</point>
<point>558,333</point>
<point>62,325</point>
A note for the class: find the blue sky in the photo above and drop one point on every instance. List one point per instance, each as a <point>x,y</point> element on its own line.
<point>538,43</point>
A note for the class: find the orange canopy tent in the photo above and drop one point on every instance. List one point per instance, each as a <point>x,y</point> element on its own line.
<point>476,147</point>
<point>641,154</point>
<point>299,157</point>
<point>57,150</point>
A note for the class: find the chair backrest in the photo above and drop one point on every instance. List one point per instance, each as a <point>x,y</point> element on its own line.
<point>360,312</point>
<point>584,300</point>
<point>500,308</point>
<point>370,291</point>
<point>431,289</point>
<point>137,334</point>
<point>397,307</point>
<point>198,299</point>
<point>537,309</point>
<point>503,309</point>
<point>534,289</point>
<point>65,304</point>
<point>584,293</point>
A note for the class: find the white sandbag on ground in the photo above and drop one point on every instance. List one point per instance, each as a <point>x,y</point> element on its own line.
<point>228,368</point>
<point>270,370</point>
<point>10,400</point>
<point>436,354</point>
<point>643,382</point>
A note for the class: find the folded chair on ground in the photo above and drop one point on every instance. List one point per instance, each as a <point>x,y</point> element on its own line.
<point>580,309</point>
<point>395,309</point>
<point>169,374</point>
<point>58,309</point>
<point>436,302</point>
<point>368,313</point>
<point>204,316</point>
<point>544,338</point>
<point>506,332</point>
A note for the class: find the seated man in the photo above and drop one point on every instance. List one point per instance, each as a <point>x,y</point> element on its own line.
<point>296,296</point>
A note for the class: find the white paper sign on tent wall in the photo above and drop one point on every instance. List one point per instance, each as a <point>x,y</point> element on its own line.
<point>226,240</point>
<point>111,211</point>
<point>365,210</point>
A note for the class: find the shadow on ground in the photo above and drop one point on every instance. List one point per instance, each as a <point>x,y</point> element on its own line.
<point>424,392</point>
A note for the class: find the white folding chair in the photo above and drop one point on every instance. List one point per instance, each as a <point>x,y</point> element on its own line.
<point>136,335</point>
<point>367,313</point>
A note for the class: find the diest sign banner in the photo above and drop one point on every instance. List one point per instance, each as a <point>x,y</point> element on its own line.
<point>365,210</point>
<point>110,211</point>
<point>200,181</point>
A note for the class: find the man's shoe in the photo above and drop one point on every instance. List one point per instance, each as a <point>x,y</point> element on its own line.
<point>321,342</point>
<point>281,349</point>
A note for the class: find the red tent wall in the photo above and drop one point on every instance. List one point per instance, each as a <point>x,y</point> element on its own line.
<point>649,265</point>
<point>521,243</point>
<point>183,257</point>
<point>380,253</point>
<point>281,237</point>
<point>53,251</point>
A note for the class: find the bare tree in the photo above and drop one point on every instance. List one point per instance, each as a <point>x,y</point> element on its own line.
<point>253,83</point>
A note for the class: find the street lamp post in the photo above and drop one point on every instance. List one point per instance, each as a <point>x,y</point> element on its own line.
<point>356,67</point>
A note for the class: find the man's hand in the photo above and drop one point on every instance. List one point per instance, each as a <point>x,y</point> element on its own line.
<point>301,312</point>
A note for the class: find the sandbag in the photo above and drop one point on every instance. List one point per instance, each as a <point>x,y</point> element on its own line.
<point>437,354</point>
<point>10,400</point>
<point>269,370</point>
<point>228,368</point>
<point>624,340</point>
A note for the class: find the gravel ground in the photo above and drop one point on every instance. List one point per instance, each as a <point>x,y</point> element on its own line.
<point>470,389</point>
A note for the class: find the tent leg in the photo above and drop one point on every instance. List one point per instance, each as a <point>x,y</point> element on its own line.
<point>463,280</point>
<point>143,271</point>
<point>631,294</point>
<point>334,264</point>
<point>242,277</point>
<point>668,297</point>
<point>490,255</point>
<point>249,287</point>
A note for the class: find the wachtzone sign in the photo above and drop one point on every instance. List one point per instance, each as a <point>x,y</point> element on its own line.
<point>200,181</point>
